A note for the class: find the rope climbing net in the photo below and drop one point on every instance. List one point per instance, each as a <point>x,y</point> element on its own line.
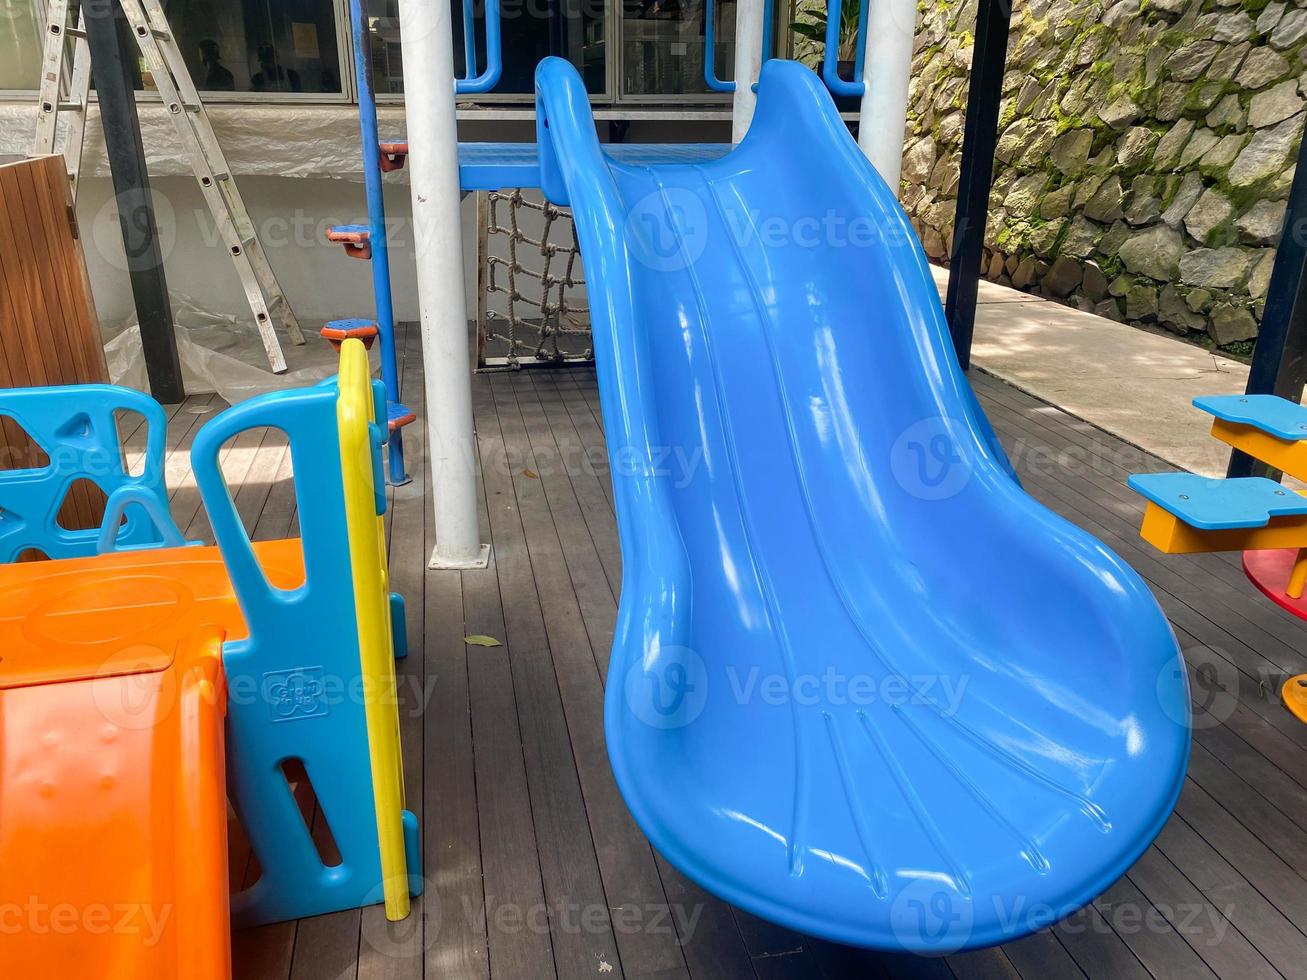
<point>531,305</point>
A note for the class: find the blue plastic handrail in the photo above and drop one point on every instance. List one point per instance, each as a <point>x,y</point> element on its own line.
<point>488,79</point>
<point>830,66</point>
<point>710,44</point>
<point>469,41</point>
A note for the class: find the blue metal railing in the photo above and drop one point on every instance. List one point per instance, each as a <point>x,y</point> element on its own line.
<point>710,43</point>
<point>377,227</point>
<point>472,83</point>
<point>830,73</point>
<point>380,258</point>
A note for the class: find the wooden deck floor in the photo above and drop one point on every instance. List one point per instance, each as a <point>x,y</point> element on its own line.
<point>535,870</point>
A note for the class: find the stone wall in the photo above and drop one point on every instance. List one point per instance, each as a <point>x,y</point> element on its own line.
<point>1145,154</point>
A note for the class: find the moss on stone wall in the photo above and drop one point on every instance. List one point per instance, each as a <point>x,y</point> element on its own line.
<point>1145,153</point>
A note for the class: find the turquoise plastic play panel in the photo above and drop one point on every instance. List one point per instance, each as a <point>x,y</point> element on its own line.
<point>295,693</point>
<point>76,428</point>
<point>862,685</point>
<point>1217,505</point>
<point>1273,415</point>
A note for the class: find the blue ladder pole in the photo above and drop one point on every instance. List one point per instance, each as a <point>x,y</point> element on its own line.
<point>397,474</point>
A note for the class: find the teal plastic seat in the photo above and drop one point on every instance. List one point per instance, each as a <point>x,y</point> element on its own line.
<point>1271,414</point>
<point>75,427</point>
<point>1219,505</point>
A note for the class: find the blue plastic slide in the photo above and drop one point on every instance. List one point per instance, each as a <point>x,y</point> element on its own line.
<point>862,685</point>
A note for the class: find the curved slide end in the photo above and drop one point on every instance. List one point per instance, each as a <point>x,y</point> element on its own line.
<point>862,685</point>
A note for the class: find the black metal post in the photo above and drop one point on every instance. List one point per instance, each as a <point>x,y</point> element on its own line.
<point>112,46</point>
<point>1280,355</point>
<point>980,136</point>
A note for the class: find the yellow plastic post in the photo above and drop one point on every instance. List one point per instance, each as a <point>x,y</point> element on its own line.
<point>355,414</point>
<point>1287,456</point>
<point>1298,578</point>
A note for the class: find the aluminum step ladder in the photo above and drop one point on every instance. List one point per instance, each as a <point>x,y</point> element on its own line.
<point>66,90</point>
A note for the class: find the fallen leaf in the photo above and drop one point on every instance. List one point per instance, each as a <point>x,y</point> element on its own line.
<point>481,641</point>
<point>531,473</point>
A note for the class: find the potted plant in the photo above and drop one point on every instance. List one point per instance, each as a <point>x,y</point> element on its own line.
<point>811,24</point>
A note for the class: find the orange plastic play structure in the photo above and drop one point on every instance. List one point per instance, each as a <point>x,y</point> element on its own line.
<point>113,805</point>
<point>147,694</point>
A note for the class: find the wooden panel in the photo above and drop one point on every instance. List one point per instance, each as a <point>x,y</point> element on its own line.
<point>49,332</point>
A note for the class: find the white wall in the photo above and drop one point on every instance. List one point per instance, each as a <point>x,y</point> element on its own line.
<point>291,214</point>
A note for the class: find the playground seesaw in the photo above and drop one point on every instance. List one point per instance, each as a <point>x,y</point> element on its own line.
<point>144,689</point>
<point>1188,514</point>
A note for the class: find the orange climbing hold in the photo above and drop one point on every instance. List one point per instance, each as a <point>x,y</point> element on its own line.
<point>336,332</point>
<point>393,155</point>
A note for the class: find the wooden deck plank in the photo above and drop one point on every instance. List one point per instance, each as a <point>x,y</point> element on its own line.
<point>1263,868</point>
<point>568,863</point>
<point>1202,925</point>
<point>554,466</point>
<point>455,935</point>
<point>551,618</point>
<point>1096,947</point>
<point>439,771</point>
<point>983,964</point>
<point>1042,956</point>
<point>1149,935</point>
<point>327,947</point>
<point>510,861</point>
<point>1279,786</point>
<point>1248,909</point>
<point>708,933</point>
<point>587,473</point>
<point>134,432</point>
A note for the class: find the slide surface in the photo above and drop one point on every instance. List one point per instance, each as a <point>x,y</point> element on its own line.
<point>113,805</point>
<point>862,684</point>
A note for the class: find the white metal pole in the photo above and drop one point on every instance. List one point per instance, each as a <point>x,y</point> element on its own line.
<point>748,63</point>
<point>886,71</point>
<point>428,49</point>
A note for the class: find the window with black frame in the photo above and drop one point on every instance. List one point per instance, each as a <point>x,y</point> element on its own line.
<point>663,46</point>
<point>273,46</point>
<point>279,47</point>
<point>653,50</point>
<point>531,30</point>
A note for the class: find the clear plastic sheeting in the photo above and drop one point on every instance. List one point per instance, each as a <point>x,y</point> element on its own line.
<point>309,141</point>
<point>219,353</point>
